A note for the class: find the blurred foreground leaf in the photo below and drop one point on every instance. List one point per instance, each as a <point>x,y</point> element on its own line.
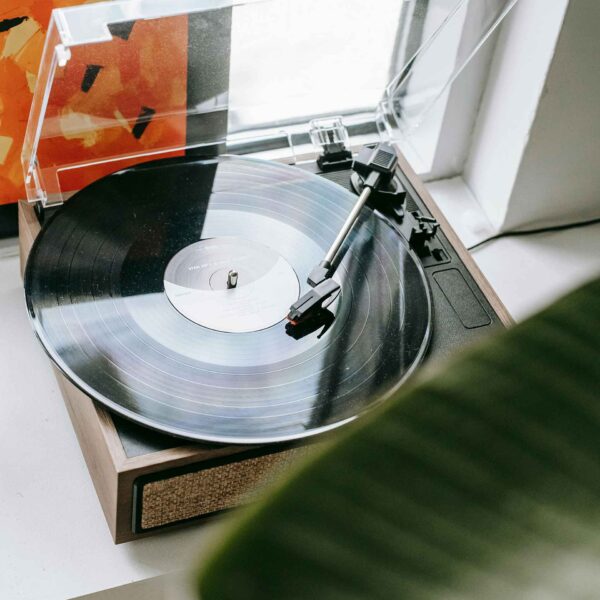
<point>480,481</point>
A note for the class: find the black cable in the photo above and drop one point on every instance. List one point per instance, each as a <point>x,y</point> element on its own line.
<point>532,231</point>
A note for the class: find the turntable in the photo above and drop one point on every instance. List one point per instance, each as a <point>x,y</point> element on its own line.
<point>212,314</point>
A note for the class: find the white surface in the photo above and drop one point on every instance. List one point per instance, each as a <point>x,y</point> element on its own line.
<point>54,541</point>
<point>529,272</point>
<point>462,210</point>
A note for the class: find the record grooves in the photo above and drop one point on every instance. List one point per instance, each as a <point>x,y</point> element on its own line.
<point>127,288</point>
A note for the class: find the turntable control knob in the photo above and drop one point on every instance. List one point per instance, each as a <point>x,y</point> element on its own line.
<point>232,279</point>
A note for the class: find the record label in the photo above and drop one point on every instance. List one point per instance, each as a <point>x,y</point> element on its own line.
<point>197,284</point>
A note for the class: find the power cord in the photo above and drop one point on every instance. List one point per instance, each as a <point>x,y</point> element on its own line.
<point>532,231</point>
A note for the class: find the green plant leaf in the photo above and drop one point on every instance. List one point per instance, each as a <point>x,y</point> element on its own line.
<point>479,480</point>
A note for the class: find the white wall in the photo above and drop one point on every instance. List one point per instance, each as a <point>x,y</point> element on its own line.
<point>465,94</point>
<point>523,54</point>
<point>437,136</point>
<point>559,178</point>
<point>535,158</point>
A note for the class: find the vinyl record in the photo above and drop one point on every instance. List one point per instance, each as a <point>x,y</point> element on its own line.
<point>128,287</point>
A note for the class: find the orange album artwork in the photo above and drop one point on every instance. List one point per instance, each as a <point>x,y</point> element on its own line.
<point>123,98</point>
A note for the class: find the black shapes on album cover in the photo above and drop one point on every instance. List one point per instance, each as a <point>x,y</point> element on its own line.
<point>89,77</point>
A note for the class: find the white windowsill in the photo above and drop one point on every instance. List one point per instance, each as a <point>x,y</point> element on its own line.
<point>462,210</point>
<point>529,272</point>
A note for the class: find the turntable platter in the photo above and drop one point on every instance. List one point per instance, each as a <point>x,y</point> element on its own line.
<point>161,291</point>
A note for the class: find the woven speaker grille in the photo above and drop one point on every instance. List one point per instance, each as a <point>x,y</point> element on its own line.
<point>210,490</point>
